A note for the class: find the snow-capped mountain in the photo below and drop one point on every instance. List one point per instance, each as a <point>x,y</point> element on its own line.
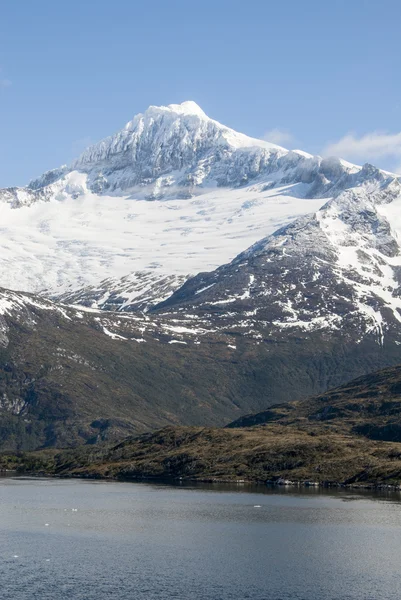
<point>338,270</point>
<point>176,193</point>
<point>172,194</point>
<point>234,274</point>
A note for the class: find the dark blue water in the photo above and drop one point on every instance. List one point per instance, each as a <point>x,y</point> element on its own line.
<point>135,541</point>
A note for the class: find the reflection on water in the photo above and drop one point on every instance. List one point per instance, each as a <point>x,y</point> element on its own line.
<point>98,540</point>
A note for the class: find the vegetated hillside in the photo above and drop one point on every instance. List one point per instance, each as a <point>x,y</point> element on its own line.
<point>335,438</point>
<point>69,377</point>
<point>66,379</point>
<point>368,406</point>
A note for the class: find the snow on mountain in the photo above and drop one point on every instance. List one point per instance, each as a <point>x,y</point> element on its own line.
<point>172,147</point>
<point>78,241</point>
<point>24,306</point>
<point>169,151</point>
<point>172,194</point>
<point>337,270</point>
<point>134,292</point>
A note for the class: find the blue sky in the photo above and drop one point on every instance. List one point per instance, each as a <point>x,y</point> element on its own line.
<point>321,76</point>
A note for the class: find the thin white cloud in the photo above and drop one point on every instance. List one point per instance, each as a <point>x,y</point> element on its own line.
<point>279,136</point>
<point>369,147</point>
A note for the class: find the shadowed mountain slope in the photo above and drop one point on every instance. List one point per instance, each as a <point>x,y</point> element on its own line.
<point>336,438</point>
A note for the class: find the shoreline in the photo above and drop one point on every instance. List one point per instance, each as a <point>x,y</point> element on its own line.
<point>279,484</point>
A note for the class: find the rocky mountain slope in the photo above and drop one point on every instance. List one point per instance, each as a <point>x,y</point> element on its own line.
<point>336,272</point>
<point>70,375</point>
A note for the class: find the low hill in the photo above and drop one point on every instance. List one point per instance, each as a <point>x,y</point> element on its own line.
<point>348,436</point>
<point>369,405</point>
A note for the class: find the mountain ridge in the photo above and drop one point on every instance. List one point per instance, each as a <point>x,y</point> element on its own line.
<point>345,257</point>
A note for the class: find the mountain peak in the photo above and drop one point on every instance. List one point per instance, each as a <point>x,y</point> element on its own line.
<point>174,146</point>
<point>178,151</point>
<point>187,108</point>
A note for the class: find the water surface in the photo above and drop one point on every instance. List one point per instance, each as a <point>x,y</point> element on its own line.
<point>62,539</point>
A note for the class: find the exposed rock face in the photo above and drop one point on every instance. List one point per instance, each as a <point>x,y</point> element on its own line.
<point>3,332</point>
<point>136,292</point>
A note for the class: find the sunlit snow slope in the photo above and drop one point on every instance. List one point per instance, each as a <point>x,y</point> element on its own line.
<point>172,194</point>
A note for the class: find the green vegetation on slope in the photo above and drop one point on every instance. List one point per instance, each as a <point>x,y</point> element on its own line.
<point>349,435</point>
<point>64,382</point>
<point>256,454</point>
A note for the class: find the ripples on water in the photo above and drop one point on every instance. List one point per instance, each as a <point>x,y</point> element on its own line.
<point>135,541</point>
